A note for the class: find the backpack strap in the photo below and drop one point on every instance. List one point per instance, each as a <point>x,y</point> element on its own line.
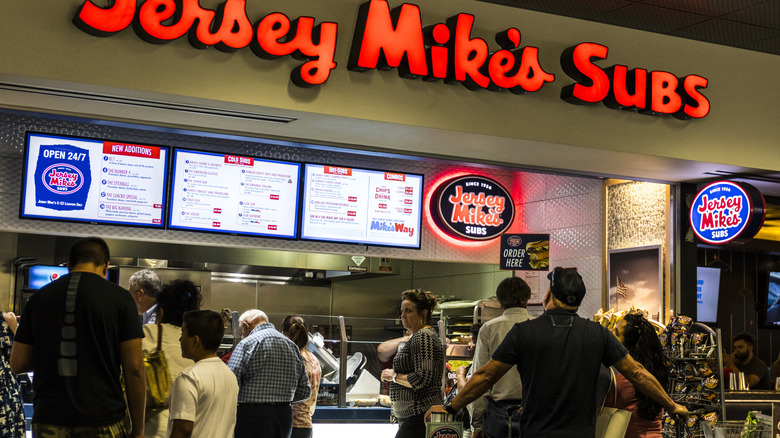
<point>159,336</point>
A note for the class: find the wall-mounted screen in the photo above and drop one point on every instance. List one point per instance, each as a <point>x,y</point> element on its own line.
<point>707,294</point>
<point>94,181</point>
<point>40,275</point>
<point>373,207</point>
<point>773,301</point>
<point>234,194</point>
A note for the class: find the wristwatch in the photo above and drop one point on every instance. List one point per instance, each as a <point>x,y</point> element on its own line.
<point>394,376</point>
<point>448,407</point>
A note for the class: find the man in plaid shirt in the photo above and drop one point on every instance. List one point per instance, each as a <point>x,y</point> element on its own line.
<point>271,376</point>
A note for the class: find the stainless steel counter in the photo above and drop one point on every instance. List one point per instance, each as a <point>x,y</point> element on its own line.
<point>739,403</point>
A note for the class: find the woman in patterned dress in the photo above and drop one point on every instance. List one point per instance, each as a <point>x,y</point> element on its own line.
<point>11,408</point>
<point>418,368</point>
<point>294,328</point>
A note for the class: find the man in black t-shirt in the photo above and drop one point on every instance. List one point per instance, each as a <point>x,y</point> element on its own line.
<point>558,356</point>
<point>74,334</point>
<point>743,359</point>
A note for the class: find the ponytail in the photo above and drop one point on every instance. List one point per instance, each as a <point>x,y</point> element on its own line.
<point>299,335</point>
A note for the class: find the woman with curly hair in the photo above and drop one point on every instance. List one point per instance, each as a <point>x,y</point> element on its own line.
<point>639,337</point>
<point>176,298</point>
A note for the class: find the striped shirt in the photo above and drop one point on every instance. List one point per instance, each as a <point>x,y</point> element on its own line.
<point>422,359</point>
<point>269,368</point>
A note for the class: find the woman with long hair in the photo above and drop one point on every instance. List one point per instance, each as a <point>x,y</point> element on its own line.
<point>294,328</point>
<point>177,297</point>
<point>639,337</point>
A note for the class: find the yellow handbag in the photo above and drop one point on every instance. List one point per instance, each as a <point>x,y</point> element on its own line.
<point>158,378</point>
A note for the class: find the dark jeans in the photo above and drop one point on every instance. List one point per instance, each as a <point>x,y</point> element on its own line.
<point>301,432</point>
<point>411,427</point>
<point>263,421</point>
<point>502,418</point>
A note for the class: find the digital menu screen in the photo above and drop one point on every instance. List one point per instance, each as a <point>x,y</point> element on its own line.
<point>234,194</point>
<point>345,204</point>
<point>40,275</point>
<point>707,294</point>
<point>95,181</point>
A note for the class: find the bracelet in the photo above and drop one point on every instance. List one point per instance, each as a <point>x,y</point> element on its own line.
<point>394,376</point>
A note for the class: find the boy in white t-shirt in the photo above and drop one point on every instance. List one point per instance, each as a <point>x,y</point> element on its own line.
<point>204,397</point>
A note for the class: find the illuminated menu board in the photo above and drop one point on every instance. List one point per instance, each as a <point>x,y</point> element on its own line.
<point>234,194</point>
<point>344,204</point>
<point>95,181</point>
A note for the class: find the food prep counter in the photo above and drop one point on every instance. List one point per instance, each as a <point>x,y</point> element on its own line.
<point>739,403</point>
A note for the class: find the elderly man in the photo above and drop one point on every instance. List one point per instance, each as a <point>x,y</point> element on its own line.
<point>558,356</point>
<point>513,294</point>
<point>144,285</point>
<point>271,376</point>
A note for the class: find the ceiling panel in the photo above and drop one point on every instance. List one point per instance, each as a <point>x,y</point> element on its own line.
<point>710,8</point>
<point>747,24</point>
<point>651,18</point>
<point>572,8</point>
<point>766,14</point>
<point>770,45</point>
<point>725,32</point>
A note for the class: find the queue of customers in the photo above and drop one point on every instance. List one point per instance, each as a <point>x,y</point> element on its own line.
<point>544,376</point>
<point>83,338</point>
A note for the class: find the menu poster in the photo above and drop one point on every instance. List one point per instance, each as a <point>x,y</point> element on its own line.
<point>344,204</point>
<point>234,194</point>
<point>94,181</point>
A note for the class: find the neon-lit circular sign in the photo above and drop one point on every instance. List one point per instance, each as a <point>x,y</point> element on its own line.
<point>472,207</point>
<point>725,211</point>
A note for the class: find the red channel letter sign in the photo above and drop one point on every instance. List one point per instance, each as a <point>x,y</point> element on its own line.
<point>396,38</point>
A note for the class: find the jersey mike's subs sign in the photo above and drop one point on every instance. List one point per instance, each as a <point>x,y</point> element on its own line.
<point>472,208</point>
<point>727,211</point>
<point>396,38</point>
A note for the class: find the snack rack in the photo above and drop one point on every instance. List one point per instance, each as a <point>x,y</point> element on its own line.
<point>696,374</point>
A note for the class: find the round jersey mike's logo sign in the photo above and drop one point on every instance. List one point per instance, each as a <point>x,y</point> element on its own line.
<point>63,179</point>
<point>472,207</point>
<point>726,211</point>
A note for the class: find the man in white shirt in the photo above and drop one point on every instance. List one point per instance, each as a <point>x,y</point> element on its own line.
<point>513,294</point>
<point>204,397</point>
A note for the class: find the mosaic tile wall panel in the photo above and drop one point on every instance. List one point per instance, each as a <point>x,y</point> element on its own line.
<point>569,208</point>
<point>637,215</point>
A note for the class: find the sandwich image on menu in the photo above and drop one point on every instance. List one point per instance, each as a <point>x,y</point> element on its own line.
<point>538,254</point>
